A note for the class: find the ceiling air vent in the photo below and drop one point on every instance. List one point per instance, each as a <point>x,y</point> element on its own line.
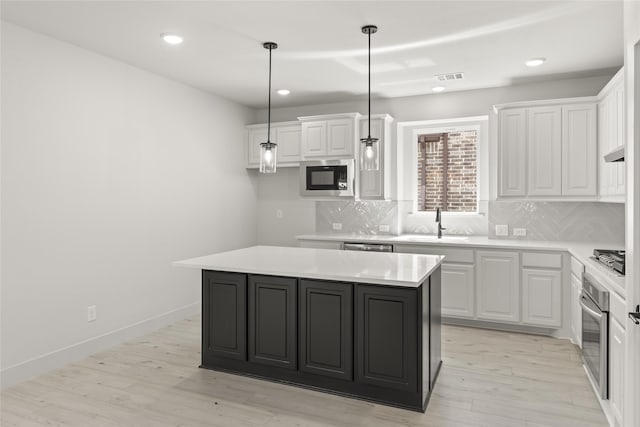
<point>449,76</point>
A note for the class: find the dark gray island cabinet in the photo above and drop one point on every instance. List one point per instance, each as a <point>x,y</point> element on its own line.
<point>375,341</point>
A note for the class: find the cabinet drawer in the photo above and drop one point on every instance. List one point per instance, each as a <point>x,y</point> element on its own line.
<point>451,254</point>
<point>544,260</point>
<point>577,268</point>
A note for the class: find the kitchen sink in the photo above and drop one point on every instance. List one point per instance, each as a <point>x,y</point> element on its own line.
<point>429,238</point>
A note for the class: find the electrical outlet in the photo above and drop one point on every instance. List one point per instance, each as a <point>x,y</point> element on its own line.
<point>519,231</point>
<point>383,228</point>
<point>279,213</point>
<point>337,226</point>
<point>502,230</point>
<point>92,313</point>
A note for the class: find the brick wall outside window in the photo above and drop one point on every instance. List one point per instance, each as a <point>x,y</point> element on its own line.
<point>461,185</point>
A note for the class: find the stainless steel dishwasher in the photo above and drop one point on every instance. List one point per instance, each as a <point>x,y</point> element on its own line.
<point>369,247</point>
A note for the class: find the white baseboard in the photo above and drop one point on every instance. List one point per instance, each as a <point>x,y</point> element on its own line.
<point>56,359</point>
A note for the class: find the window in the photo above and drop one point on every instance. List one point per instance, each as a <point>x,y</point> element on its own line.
<point>447,171</point>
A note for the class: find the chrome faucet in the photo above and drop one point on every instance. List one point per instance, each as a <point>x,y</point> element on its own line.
<point>439,221</point>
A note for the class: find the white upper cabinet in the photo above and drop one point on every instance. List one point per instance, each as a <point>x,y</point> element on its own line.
<point>288,138</point>
<point>513,146</point>
<point>330,136</point>
<point>315,139</point>
<point>376,184</point>
<point>544,138</point>
<point>610,136</point>
<point>548,149</point>
<point>256,134</point>
<point>285,134</point>
<point>579,149</point>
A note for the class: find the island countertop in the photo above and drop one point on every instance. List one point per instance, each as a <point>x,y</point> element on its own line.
<point>391,269</point>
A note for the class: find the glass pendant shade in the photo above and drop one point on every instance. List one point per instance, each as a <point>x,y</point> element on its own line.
<point>369,154</point>
<point>268,157</point>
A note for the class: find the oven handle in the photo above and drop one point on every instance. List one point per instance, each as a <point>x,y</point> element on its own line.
<point>589,309</point>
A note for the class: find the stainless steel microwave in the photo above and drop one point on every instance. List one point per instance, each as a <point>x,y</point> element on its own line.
<point>327,178</point>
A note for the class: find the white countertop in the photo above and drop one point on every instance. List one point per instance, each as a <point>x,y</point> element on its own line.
<point>582,251</point>
<point>391,269</point>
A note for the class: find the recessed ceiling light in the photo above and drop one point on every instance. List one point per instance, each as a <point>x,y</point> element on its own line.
<point>535,62</point>
<point>171,38</point>
<point>438,88</point>
<point>284,92</point>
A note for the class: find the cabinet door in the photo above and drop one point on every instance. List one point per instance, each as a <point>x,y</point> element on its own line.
<point>340,137</point>
<point>576,310</point>
<point>372,182</point>
<point>255,136</point>
<point>289,140</point>
<point>387,338</point>
<point>579,150</point>
<point>272,321</point>
<point>224,321</point>
<point>606,169</point>
<point>498,286</point>
<point>458,290</point>
<point>619,123</point>
<point>326,328</point>
<point>314,139</point>
<point>542,302</point>
<point>616,363</point>
<point>513,154</point>
<point>544,138</point>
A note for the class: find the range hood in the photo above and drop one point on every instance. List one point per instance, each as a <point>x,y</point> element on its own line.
<point>616,155</point>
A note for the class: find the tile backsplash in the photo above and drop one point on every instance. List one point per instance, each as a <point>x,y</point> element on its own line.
<point>566,221</point>
<point>357,216</point>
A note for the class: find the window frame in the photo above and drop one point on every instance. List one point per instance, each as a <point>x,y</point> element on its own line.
<point>408,133</point>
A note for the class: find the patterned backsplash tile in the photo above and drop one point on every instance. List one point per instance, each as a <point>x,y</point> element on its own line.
<point>454,223</point>
<point>357,216</point>
<point>566,221</point>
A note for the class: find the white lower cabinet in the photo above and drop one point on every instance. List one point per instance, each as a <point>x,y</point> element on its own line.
<point>576,310</point>
<point>498,285</point>
<point>542,297</point>
<point>616,370</point>
<point>458,290</point>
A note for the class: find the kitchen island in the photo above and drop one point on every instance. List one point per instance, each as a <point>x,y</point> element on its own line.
<point>359,324</point>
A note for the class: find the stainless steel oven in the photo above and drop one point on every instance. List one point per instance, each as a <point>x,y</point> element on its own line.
<point>594,301</point>
<point>327,178</point>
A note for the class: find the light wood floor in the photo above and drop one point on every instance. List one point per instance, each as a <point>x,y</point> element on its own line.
<point>489,378</point>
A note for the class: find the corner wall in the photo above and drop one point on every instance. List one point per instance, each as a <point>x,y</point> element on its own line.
<point>109,173</point>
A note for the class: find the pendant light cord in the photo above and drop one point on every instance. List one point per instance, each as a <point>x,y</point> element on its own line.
<point>269,112</point>
<point>369,133</point>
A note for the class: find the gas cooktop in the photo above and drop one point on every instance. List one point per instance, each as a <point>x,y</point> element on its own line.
<point>611,258</point>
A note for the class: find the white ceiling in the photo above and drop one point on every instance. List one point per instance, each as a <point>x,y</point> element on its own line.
<point>322,52</point>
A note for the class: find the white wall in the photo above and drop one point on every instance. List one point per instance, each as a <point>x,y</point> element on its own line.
<point>281,191</point>
<point>109,173</point>
<point>425,107</point>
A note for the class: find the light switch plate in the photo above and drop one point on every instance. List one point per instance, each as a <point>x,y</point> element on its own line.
<point>337,226</point>
<point>502,230</point>
<point>519,231</point>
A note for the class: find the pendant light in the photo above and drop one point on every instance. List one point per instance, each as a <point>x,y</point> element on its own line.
<point>268,150</point>
<point>369,152</point>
